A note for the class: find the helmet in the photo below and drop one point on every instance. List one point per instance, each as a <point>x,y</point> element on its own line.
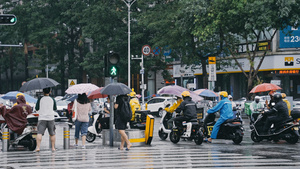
<point>223,93</point>
<point>132,94</point>
<point>19,94</point>
<point>283,95</point>
<point>185,94</point>
<point>256,98</point>
<point>277,97</point>
<point>229,97</point>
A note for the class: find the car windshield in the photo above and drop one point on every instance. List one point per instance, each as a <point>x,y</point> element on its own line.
<point>61,103</point>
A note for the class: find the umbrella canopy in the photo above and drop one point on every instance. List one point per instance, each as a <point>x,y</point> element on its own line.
<point>96,94</point>
<point>264,87</point>
<point>12,96</point>
<point>206,93</point>
<point>115,89</point>
<point>81,88</point>
<point>177,90</point>
<point>38,83</point>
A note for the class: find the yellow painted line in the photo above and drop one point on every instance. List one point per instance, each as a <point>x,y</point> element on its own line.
<point>5,135</point>
<point>5,138</point>
<point>66,137</point>
<point>137,140</point>
<point>66,134</point>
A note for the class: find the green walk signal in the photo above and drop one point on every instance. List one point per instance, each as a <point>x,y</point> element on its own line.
<point>8,19</point>
<point>113,71</point>
<point>112,64</point>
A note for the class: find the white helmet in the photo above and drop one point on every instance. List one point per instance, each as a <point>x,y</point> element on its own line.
<point>229,97</point>
<point>256,97</point>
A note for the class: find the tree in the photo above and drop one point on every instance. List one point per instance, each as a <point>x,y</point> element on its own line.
<point>171,23</point>
<point>248,22</point>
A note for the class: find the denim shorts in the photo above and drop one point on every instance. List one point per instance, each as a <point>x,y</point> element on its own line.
<point>81,126</point>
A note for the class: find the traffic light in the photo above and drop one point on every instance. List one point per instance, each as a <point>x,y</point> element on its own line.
<point>8,19</point>
<point>112,68</point>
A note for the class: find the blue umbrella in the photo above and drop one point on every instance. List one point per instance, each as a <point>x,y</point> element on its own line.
<point>12,96</point>
<point>206,93</point>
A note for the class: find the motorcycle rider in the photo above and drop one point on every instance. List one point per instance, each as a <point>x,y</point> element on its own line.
<point>272,102</point>
<point>254,106</point>
<point>226,113</point>
<point>172,109</point>
<point>287,102</point>
<point>134,104</point>
<point>278,113</point>
<point>188,107</point>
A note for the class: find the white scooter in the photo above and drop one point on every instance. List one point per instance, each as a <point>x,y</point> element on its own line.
<point>163,130</point>
<point>95,129</point>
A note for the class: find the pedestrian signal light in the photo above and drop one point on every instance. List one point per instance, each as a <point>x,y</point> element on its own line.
<point>112,67</point>
<point>8,19</point>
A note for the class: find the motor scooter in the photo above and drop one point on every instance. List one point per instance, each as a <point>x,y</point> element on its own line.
<point>163,130</point>
<point>95,129</point>
<point>26,138</point>
<point>231,129</point>
<point>287,130</point>
<point>191,130</point>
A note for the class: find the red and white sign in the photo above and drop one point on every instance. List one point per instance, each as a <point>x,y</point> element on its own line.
<point>146,50</point>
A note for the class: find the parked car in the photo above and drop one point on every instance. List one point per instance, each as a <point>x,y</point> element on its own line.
<point>62,107</point>
<point>157,104</point>
<point>296,103</point>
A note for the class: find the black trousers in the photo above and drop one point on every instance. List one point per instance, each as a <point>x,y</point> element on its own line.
<point>269,121</point>
<point>178,121</point>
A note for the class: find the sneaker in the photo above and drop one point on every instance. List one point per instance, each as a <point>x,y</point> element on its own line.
<point>75,145</point>
<point>83,147</point>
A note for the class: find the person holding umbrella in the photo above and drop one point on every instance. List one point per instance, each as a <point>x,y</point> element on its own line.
<point>83,107</point>
<point>120,123</point>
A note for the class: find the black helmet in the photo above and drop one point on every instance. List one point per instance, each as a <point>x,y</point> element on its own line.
<point>277,97</point>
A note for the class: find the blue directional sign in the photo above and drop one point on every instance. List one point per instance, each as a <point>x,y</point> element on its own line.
<point>289,37</point>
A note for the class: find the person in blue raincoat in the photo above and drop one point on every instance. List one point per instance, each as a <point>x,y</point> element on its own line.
<point>226,113</point>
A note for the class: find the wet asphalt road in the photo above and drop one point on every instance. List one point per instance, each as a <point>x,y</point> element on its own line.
<point>160,154</point>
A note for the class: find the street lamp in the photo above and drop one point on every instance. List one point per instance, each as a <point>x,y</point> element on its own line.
<point>129,3</point>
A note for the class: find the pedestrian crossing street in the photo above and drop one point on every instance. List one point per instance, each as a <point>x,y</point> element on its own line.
<point>203,156</point>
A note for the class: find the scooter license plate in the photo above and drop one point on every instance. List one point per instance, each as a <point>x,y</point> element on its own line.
<point>296,128</point>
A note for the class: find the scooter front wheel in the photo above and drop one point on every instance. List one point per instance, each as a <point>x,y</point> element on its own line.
<point>90,137</point>
<point>162,135</point>
<point>198,137</point>
<point>238,137</point>
<point>175,136</point>
<point>255,137</point>
<point>32,144</point>
<point>293,139</point>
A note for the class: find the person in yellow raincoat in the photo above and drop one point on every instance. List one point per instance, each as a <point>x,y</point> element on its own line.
<point>172,109</point>
<point>287,102</point>
<point>134,104</point>
<point>17,96</point>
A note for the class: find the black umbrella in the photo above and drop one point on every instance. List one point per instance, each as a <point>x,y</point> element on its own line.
<point>38,83</point>
<point>115,89</point>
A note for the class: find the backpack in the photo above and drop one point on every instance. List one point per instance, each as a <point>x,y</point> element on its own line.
<point>125,111</point>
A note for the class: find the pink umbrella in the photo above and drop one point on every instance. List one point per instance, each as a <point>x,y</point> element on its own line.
<point>81,88</point>
<point>177,90</point>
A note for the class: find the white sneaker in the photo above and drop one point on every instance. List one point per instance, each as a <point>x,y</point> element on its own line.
<point>75,145</point>
<point>83,147</point>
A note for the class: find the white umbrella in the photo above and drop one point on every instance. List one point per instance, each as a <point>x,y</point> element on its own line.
<point>81,88</point>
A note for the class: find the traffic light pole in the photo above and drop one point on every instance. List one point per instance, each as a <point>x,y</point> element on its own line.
<point>142,71</point>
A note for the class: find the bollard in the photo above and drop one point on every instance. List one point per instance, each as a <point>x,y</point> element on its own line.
<point>5,140</point>
<point>66,137</point>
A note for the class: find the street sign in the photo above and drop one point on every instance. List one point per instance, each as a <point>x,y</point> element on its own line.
<point>142,71</point>
<point>156,51</point>
<point>212,60</point>
<point>72,82</point>
<point>167,52</point>
<point>146,50</point>
<point>212,69</point>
